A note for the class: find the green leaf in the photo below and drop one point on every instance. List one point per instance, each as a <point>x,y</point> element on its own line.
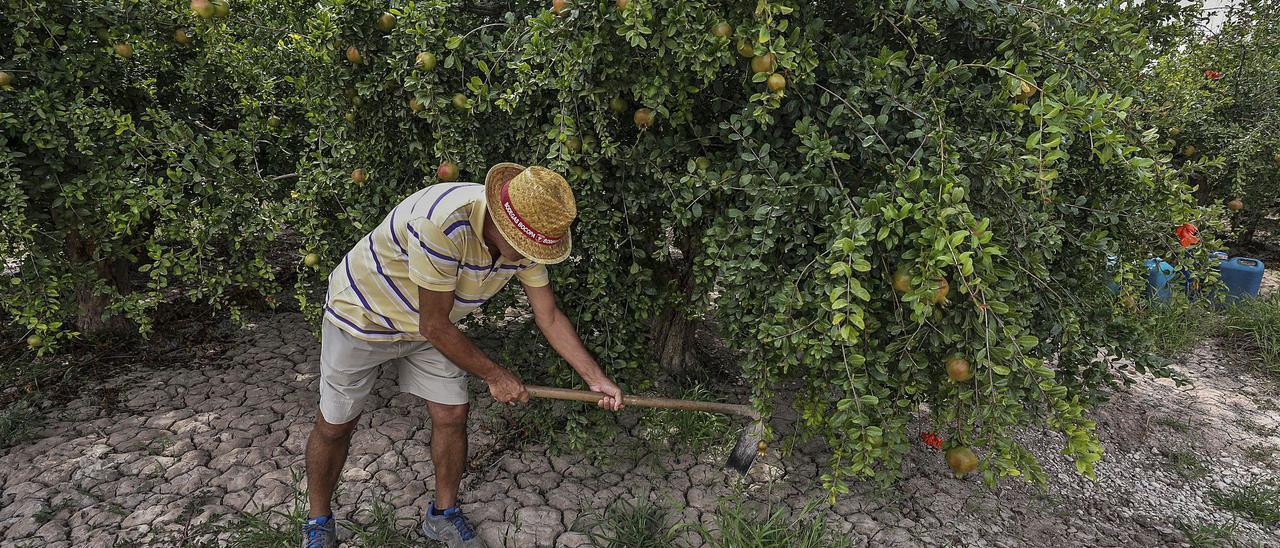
<point>859,291</point>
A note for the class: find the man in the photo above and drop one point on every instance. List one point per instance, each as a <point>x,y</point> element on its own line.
<point>438,256</point>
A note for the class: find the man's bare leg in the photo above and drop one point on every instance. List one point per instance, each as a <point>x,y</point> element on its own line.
<point>327,448</point>
<point>448,450</point>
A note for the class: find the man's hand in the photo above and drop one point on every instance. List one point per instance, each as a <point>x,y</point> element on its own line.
<point>612,399</point>
<point>564,338</point>
<point>506,387</point>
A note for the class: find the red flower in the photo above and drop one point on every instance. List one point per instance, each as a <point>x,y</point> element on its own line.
<point>1212,74</point>
<point>1187,235</point>
<point>931,439</point>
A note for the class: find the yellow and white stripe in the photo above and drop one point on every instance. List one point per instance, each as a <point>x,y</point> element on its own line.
<point>432,239</point>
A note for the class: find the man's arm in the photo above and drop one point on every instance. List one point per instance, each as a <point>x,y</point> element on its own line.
<point>559,331</point>
<point>433,322</point>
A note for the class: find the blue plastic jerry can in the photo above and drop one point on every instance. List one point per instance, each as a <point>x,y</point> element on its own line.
<point>1158,275</point>
<point>1242,276</point>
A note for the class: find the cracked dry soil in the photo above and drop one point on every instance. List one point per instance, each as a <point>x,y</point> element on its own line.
<point>231,438</point>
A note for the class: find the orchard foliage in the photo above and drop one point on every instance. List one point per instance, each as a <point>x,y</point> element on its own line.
<point>771,166</point>
<point>1216,102</point>
<point>126,179</point>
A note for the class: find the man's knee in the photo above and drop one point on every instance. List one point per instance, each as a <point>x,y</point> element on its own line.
<point>448,416</point>
<point>333,433</point>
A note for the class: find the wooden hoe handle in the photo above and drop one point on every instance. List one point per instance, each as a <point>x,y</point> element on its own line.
<point>548,392</point>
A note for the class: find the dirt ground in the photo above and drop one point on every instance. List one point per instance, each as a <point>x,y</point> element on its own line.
<point>191,446</point>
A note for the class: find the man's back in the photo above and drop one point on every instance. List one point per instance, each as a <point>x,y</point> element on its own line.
<point>432,239</point>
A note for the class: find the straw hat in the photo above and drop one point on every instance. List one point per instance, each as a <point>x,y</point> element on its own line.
<point>532,208</point>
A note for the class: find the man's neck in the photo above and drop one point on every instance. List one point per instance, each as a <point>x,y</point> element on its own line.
<point>488,233</point>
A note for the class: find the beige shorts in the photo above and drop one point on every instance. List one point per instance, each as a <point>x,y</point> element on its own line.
<point>349,367</point>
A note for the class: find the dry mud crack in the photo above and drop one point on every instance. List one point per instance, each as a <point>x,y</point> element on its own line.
<point>199,446</point>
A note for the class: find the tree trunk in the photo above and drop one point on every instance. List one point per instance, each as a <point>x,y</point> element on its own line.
<point>673,332</point>
<point>673,342</point>
<point>94,318</point>
<point>1204,192</point>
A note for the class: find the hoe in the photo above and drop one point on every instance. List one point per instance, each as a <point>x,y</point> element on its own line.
<point>744,452</point>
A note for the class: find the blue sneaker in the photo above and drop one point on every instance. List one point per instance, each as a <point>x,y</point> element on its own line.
<point>451,528</point>
<point>321,532</point>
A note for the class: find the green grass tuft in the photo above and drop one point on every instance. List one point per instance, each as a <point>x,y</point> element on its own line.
<point>261,531</point>
<point>1185,463</point>
<point>1251,325</point>
<point>1182,325</point>
<point>19,423</point>
<point>740,527</point>
<point>382,530</point>
<point>1249,425</point>
<point>1257,503</point>
<point>1209,535</point>
<point>45,515</point>
<point>1176,424</point>
<point>695,431</point>
<point>1254,325</point>
<point>1263,454</point>
<point>275,527</point>
<point>627,524</point>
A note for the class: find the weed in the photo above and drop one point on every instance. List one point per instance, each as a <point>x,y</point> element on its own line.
<point>695,431</point>
<point>252,531</point>
<point>1258,503</point>
<point>1173,423</point>
<point>19,423</point>
<point>1254,324</point>
<point>158,446</point>
<point>45,515</point>
<point>739,527</point>
<point>382,529</point>
<point>1260,453</point>
<point>1185,463</point>
<point>1250,426</point>
<point>274,527</point>
<point>627,524</point>
<point>86,493</point>
<point>1209,535</point>
<point>185,533</point>
<point>1182,324</point>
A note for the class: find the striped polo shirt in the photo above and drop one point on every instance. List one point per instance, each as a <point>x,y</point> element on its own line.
<point>432,239</point>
